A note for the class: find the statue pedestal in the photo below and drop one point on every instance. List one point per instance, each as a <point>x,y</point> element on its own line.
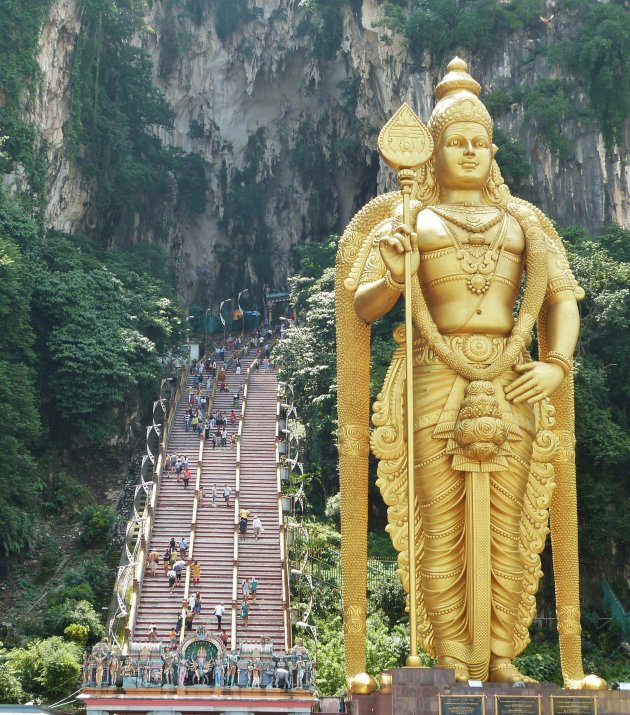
<point>433,691</point>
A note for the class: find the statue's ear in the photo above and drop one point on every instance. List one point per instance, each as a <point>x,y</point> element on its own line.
<point>495,149</point>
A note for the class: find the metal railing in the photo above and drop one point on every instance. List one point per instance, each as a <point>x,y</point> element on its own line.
<point>137,534</point>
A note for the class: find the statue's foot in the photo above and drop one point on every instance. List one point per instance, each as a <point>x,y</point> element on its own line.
<point>461,670</point>
<point>506,672</point>
<point>587,682</point>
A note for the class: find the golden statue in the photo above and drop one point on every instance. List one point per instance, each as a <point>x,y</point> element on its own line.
<point>493,429</point>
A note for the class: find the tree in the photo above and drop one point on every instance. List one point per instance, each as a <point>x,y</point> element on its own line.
<point>47,668</point>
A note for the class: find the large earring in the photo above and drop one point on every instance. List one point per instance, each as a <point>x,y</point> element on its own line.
<point>425,185</point>
<point>496,190</point>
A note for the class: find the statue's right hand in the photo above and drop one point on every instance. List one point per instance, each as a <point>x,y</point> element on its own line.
<point>393,249</point>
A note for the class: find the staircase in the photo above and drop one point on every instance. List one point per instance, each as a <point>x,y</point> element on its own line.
<point>224,557</point>
<point>259,494</point>
<point>174,514</point>
<point>215,530</point>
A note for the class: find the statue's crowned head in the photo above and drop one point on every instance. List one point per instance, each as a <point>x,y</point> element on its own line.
<point>458,101</point>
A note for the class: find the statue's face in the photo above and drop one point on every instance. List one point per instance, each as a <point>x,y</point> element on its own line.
<point>464,155</point>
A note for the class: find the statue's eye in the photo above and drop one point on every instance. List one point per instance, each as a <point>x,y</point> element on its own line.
<point>454,142</point>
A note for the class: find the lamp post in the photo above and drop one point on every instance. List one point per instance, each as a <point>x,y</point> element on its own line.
<point>313,629</point>
<point>188,329</point>
<point>240,310</point>
<point>205,346</point>
<point>223,302</point>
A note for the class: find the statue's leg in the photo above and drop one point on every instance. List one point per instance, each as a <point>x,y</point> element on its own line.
<point>441,495</point>
<point>507,494</point>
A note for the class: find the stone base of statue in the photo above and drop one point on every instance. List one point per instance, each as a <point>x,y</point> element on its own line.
<point>433,691</point>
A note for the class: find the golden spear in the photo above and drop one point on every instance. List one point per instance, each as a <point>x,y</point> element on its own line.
<point>405,144</point>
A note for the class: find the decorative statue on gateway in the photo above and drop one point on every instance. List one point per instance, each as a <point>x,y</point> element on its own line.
<point>492,429</point>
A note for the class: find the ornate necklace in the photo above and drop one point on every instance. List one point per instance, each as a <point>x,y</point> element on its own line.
<point>478,259</point>
<point>472,222</point>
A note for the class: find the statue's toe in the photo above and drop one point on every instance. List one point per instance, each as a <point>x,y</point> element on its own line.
<point>508,673</point>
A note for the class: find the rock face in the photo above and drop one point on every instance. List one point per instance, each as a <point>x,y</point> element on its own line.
<point>286,110</point>
<point>68,193</point>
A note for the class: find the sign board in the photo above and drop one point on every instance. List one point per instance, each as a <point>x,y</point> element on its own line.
<point>569,705</point>
<point>462,705</point>
<point>517,705</point>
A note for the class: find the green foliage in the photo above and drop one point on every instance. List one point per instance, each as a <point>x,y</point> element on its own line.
<point>541,661</point>
<point>324,23</point>
<point>49,552</point>
<point>11,690</point>
<point>81,612</point>
<point>388,598</point>
<point>91,581</point>
<point>104,326</point>
<point>385,649</point>
<point>602,268</point>
<point>46,668</point>
<point>231,15</point>
<point>599,56</point>
<point>333,509</point>
<point>76,633</point>
<point>246,194</point>
<point>20,26</point>
<point>97,522</point>
<point>547,106</point>
<point>512,160</point>
<point>19,420</point>
<point>307,359</point>
<point>443,27</point>
<point>115,110</point>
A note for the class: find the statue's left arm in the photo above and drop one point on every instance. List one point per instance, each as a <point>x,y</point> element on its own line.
<point>540,379</point>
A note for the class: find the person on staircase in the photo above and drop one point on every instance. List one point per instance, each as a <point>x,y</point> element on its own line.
<point>219,610</point>
<point>226,495</point>
<point>245,589</point>
<point>243,516</point>
<point>195,571</point>
<point>152,560</point>
<point>245,613</point>
<point>258,526</point>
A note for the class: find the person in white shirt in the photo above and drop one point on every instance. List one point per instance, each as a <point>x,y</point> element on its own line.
<point>218,612</point>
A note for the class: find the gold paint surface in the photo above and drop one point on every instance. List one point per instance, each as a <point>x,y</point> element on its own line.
<point>488,470</point>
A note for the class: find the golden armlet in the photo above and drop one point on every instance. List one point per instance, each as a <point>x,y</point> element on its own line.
<point>557,358</point>
<point>391,283</point>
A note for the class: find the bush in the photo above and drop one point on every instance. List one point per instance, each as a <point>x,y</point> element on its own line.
<point>11,690</point>
<point>333,507</point>
<point>48,668</point>
<point>97,522</point>
<point>72,612</point>
<point>77,633</point>
<point>93,572</point>
<point>49,553</point>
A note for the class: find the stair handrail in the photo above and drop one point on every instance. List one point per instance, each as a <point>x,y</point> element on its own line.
<point>284,561</point>
<point>250,369</point>
<point>149,512</point>
<point>130,574</point>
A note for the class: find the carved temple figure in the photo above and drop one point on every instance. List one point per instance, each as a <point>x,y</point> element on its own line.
<point>493,427</point>
<point>99,660</point>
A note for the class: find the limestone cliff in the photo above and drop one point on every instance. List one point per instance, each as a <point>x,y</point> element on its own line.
<point>286,109</point>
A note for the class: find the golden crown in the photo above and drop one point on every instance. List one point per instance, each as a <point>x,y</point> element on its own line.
<point>458,101</point>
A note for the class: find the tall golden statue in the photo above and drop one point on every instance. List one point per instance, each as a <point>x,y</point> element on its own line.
<point>493,429</point>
